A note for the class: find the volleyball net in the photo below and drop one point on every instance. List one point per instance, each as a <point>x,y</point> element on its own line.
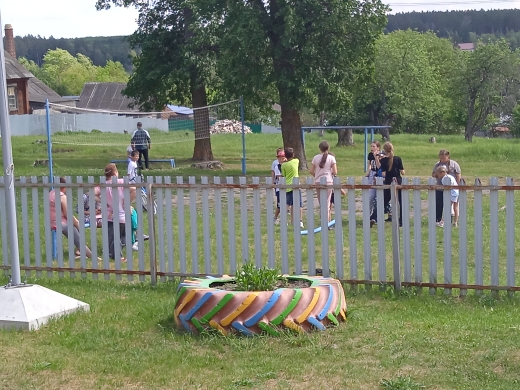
<point>81,126</point>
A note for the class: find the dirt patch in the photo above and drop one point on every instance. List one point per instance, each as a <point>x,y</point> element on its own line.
<point>62,150</point>
<point>290,283</point>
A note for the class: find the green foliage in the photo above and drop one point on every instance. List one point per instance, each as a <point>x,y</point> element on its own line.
<point>281,49</point>
<point>401,383</point>
<point>67,74</point>
<point>177,55</point>
<point>515,123</point>
<point>99,49</point>
<point>250,278</point>
<point>410,89</point>
<point>487,79</point>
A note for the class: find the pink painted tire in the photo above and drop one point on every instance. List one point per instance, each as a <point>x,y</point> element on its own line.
<point>200,307</point>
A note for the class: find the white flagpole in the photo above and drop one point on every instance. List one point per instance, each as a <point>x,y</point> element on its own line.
<point>7,154</point>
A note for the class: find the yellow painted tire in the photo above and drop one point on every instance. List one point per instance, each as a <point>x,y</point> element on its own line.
<point>199,307</point>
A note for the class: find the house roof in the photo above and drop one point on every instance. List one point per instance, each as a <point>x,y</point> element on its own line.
<point>106,96</point>
<point>15,70</point>
<point>466,46</point>
<point>180,109</point>
<point>37,90</point>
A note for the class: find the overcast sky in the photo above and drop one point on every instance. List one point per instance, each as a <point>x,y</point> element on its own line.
<point>79,18</point>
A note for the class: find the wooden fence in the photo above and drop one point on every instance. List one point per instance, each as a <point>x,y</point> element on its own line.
<point>210,228</point>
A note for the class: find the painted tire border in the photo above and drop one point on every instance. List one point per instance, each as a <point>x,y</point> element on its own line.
<point>200,307</point>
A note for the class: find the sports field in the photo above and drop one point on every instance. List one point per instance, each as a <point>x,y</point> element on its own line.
<point>483,158</point>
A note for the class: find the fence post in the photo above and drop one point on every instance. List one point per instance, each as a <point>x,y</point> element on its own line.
<point>151,231</point>
<point>479,248</point>
<point>395,235</point>
<point>510,235</point>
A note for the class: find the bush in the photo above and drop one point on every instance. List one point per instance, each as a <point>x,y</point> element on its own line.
<point>251,278</point>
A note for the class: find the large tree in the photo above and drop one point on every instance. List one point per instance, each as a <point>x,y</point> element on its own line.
<point>176,62</point>
<point>410,85</point>
<point>487,77</point>
<point>307,51</point>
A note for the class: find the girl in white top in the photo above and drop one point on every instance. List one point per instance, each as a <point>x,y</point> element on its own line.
<point>449,180</point>
<point>324,165</point>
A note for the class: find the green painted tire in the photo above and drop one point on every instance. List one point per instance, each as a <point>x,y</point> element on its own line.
<point>199,307</point>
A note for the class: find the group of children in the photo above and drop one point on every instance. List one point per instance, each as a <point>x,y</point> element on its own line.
<point>381,163</point>
<point>132,172</point>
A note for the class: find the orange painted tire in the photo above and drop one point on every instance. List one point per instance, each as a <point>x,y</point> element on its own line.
<point>199,307</point>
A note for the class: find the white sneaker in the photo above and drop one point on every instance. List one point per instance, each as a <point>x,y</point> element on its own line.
<point>301,224</point>
<point>277,221</point>
<point>440,224</point>
<point>455,224</point>
<point>135,247</point>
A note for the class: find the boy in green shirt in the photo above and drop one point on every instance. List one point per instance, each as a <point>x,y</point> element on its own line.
<point>290,171</point>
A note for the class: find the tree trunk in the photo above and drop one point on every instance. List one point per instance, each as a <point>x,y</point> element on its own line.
<point>385,134</point>
<point>387,121</point>
<point>345,137</point>
<point>292,132</point>
<point>322,121</point>
<point>468,131</point>
<point>202,150</point>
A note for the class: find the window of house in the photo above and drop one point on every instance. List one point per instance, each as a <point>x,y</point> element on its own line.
<point>11,98</point>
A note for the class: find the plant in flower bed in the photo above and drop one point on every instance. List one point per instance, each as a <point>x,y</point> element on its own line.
<point>251,278</point>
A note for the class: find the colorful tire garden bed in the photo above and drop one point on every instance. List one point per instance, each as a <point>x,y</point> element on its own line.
<point>200,305</point>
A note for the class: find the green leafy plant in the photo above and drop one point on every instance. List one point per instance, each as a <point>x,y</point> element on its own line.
<point>250,278</point>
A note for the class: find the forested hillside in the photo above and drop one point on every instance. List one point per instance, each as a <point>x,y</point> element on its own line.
<point>98,49</point>
<point>458,25</point>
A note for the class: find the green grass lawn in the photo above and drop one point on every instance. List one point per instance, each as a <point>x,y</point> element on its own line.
<point>483,158</point>
<point>402,342</point>
<point>128,341</point>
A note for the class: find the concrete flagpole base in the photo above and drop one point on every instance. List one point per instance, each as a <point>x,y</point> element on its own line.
<point>28,307</point>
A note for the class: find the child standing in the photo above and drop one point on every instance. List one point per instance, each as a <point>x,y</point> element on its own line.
<point>324,165</point>
<point>132,166</point>
<point>276,173</point>
<point>290,171</point>
<point>449,180</point>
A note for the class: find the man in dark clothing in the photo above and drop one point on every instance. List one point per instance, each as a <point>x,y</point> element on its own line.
<point>142,143</point>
